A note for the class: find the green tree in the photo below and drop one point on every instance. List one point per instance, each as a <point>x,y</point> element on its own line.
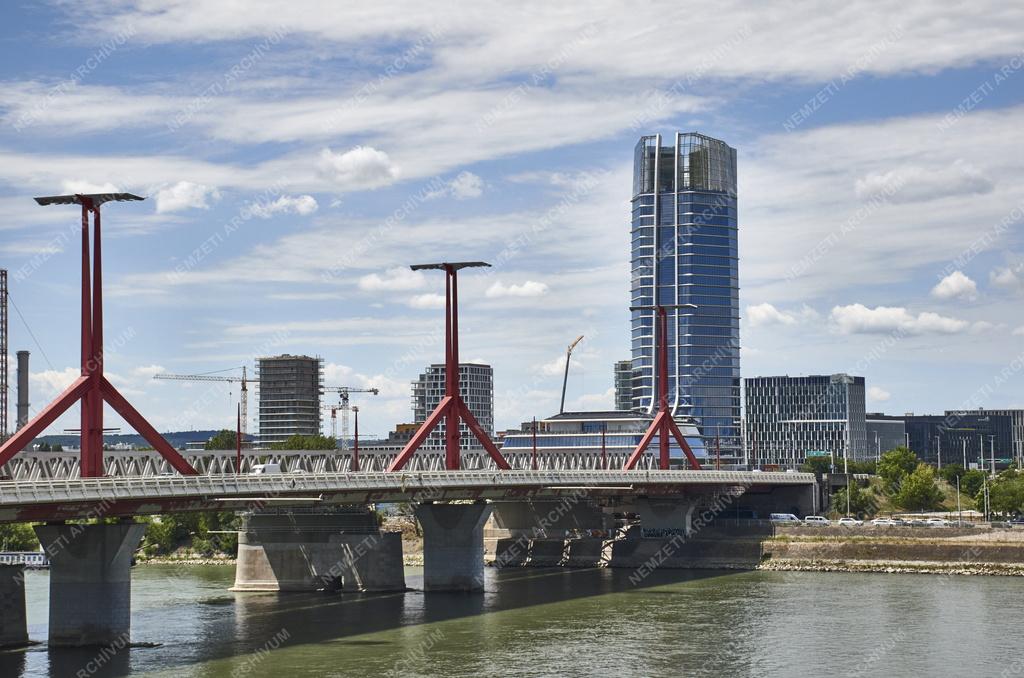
<point>1006,493</point>
<point>57,447</point>
<point>816,465</point>
<point>298,442</point>
<point>971,482</point>
<point>950,472</point>
<point>895,465</point>
<point>222,440</point>
<point>18,537</point>
<point>918,490</point>
<point>869,467</point>
<point>862,503</point>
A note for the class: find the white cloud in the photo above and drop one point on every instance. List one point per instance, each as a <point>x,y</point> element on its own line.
<point>467,185</point>
<point>1019,332</point>
<point>913,183</point>
<point>79,186</point>
<point>1008,278</point>
<point>982,326</point>
<point>530,288</point>
<point>303,205</point>
<point>956,285</point>
<point>859,319</point>
<point>429,300</point>
<point>147,371</point>
<point>184,195</point>
<point>399,278</point>
<point>877,394</point>
<point>48,383</point>
<point>766,314</point>
<point>359,167</point>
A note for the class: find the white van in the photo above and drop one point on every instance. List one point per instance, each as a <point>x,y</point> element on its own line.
<point>784,519</point>
<point>817,521</point>
<point>263,469</point>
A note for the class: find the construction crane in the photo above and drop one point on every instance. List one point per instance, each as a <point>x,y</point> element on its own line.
<point>565,379</point>
<point>343,393</point>
<point>243,399</point>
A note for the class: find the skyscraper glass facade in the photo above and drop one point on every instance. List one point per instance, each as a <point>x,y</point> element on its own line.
<point>684,251</point>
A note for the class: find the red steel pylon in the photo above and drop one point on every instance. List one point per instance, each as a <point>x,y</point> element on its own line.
<point>663,425</point>
<point>91,387</point>
<point>452,408</point>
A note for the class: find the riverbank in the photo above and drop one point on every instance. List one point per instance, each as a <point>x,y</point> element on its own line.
<point>893,567</point>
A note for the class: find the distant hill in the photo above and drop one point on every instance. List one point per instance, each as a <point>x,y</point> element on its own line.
<point>175,438</point>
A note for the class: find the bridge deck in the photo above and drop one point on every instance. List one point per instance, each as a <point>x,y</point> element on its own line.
<point>139,495</point>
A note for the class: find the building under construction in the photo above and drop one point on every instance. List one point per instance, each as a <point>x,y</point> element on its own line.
<point>289,396</point>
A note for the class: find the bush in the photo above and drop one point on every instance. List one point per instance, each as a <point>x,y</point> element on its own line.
<point>950,472</point>
<point>862,503</point>
<point>971,482</point>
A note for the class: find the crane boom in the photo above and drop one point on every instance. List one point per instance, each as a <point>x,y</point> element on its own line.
<point>243,399</point>
<point>343,393</point>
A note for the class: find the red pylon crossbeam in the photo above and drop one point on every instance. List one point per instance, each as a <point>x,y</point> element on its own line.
<point>91,387</point>
<point>663,425</point>
<point>452,409</point>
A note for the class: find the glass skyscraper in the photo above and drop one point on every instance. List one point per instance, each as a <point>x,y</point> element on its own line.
<point>684,252</point>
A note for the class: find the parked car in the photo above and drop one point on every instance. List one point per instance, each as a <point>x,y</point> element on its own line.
<point>817,521</point>
<point>850,522</point>
<point>1016,522</point>
<point>884,522</point>
<point>937,522</point>
<point>785,519</point>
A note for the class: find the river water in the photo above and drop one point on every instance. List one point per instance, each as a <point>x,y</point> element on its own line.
<point>534,622</point>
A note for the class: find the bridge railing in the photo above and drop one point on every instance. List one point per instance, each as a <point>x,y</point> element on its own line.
<point>36,465</point>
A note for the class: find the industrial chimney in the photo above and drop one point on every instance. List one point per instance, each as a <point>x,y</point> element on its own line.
<point>22,388</point>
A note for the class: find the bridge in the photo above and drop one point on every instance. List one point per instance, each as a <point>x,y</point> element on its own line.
<point>66,464</point>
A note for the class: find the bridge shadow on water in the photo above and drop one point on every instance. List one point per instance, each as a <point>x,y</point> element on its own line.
<point>244,624</point>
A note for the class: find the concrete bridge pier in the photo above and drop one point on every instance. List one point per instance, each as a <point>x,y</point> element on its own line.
<point>13,628</point>
<point>453,545</point>
<point>90,581</point>
<point>671,515</point>
<point>323,549</point>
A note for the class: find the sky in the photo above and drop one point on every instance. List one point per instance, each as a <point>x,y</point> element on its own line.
<point>297,157</point>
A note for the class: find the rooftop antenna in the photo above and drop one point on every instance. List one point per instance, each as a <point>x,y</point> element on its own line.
<point>91,387</point>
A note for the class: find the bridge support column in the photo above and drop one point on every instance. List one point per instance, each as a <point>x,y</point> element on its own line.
<point>13,628</point>
<point>90,581</point>
<point>301,550</point>
<point>453,546</point>
<point>668,515</point>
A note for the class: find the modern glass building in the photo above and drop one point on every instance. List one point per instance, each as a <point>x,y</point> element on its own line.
<point>792,418</point>
<point>289,388</point>
<point>684,251</point>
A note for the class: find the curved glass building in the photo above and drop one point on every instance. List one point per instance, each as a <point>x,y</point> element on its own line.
<point>684,252</point>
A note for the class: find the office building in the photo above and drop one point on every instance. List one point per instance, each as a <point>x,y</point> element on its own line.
<point>884,432</point>
<point>289,395</point>
<point>961,437</point>
<point>791,418</point>
<point>684,251</point>
<point>1012,449</point>
<point>624,385</point>
<point>476,385</point>
<point>580,433</point>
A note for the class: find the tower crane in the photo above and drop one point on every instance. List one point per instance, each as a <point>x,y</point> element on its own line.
<point>343,394</point>
<point>243,398</point>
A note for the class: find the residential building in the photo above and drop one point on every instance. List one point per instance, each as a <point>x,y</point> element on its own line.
<point>684,251</point>
<point>624,385</point>
<point>791,418</point>
<point>476,386</point>
<point>289,396</point>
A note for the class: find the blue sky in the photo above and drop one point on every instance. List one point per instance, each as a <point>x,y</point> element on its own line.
<point>880,189</point>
